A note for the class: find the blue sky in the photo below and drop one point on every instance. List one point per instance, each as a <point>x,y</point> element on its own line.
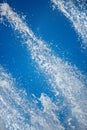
<point>48,25</point>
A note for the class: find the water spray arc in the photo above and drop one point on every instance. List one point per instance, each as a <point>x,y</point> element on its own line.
<point>60,74</point>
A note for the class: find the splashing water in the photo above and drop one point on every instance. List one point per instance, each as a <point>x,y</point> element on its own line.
<point>60,74</point>
<point>77,14</point>
<point>17,113</point>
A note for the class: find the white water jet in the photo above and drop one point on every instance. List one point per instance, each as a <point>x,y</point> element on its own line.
<point>61,75</point>
<point>75,15</point>
<point>18,113</point>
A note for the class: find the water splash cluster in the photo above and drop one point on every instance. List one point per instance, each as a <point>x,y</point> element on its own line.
<point>76,12</point>
<point>61,76</point>
<point>18,113</point>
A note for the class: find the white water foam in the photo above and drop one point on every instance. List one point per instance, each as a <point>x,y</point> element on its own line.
<point>75,15</point>
<point>17,113</point>
<point>61,75</point>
